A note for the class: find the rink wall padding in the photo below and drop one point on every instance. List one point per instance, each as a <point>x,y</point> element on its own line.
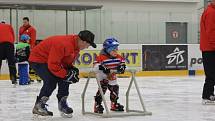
<point>154,73</point>
<point>148,59</point>
<point>138,74</point>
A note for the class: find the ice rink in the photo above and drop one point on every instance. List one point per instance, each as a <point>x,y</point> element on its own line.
<point>168,98</point>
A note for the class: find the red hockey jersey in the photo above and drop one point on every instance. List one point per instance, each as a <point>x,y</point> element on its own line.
<point>108,62</point>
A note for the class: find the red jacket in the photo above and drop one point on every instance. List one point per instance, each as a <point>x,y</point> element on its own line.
<point>31,31</point>
<point>59,52</point>
<point>6,33</point>
<point>207,29</point>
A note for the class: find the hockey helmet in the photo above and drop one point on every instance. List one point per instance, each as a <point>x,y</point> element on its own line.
<point>24,37</point>
<point>110,44</point>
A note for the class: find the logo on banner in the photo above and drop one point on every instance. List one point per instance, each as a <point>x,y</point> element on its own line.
<point>176,56</point>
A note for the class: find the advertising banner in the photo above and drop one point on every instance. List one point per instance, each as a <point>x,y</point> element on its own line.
<point>86,58</point>
<point>164,57</point>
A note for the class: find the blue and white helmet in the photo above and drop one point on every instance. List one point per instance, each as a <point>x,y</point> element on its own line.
<point>24,37</point>
<point>110,44</point>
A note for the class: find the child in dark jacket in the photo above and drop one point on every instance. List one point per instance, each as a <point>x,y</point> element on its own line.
<point>22,55</point>
<point>23,49</point>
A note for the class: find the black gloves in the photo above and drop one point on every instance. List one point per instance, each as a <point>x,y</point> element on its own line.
<point>121,69</point>
<point>104,69</point>
<point>72,75</point>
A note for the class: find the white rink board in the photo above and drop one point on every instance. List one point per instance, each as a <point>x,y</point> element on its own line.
<point>5,70</point>
<point>121,46</point>
<point>169,0</point>
<point>194,57</point>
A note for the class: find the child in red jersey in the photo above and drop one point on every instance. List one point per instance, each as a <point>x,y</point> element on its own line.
<point>107,64</point>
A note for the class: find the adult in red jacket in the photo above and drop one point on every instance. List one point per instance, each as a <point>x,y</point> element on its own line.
<point>207,46</point>
<point>53,60</point>
<point>28,29</point>
<point>7,39</point>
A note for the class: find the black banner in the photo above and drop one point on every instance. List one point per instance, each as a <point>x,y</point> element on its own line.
<point>164,57</point>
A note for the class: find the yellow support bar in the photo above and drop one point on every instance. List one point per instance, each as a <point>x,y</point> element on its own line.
<point>138,74</point>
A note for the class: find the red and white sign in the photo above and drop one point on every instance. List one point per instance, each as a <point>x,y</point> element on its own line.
<point>175,34</point>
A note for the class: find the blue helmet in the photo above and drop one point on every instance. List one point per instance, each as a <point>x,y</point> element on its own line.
<point>24,37</point>
<point>110,44</point>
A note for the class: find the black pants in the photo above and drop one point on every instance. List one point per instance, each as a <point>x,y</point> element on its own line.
<point>114,91</point>
<point>209,68</point>
<point>50,81</point>
<point>7,52</point>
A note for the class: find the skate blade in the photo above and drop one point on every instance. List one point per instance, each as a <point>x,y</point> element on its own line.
<point>98,112</point>
<point>14,85</point>
<point>208,102</point>
<point>64,115</point>
<point>37,117</point>
<point>121,110</point>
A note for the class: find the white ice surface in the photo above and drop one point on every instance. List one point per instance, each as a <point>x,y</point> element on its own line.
<point>168,98</point>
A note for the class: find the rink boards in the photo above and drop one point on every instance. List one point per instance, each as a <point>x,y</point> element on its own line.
<point>148,59</point>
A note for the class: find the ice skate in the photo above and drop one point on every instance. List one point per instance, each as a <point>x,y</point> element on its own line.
<point>98,108</point>
<point>210,101</point>
<point>40,107</point>
<point>116,106</point>
<point>65,110</point>
<point>13,80</point>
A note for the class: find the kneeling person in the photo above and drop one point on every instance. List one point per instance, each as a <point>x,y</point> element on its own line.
<point>53,61</point>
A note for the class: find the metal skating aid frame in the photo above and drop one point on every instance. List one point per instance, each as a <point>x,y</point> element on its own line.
<point>107,113</point>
